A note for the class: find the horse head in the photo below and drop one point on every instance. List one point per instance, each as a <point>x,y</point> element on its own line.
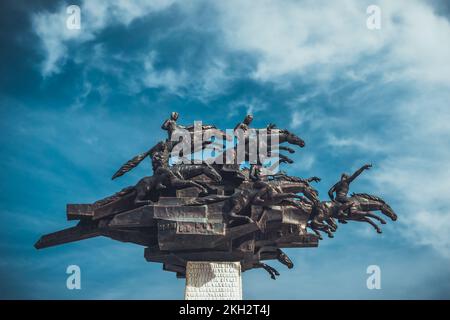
<point>370,202</point>
<point>212,173</point>
<point>291,138</point>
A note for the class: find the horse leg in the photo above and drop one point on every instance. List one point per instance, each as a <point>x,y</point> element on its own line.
<point>290,150</point>
<point>285,159</point>
<point>374,216</point>
<point>207,187</point>
<point>325,229</point>
<point>317,233</point>
<point>272,271</point>
<point>373,224</point>
<point>332,224</point>
<point>322,227</point>
<point>365,212</point>
<point>362,217</point>
<point>318,225</point>
<point>179,184</point>
<point>328,232</point>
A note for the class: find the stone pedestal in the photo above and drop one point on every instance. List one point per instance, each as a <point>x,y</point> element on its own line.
<point>213,281</point>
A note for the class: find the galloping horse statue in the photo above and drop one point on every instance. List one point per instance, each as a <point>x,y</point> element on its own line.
<point>323,213</point>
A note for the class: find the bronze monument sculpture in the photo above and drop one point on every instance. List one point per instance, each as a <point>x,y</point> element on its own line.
<point>219,210</point>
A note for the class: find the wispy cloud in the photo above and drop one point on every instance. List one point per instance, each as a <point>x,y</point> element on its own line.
<point>363,143</point>
<point>96,15</point>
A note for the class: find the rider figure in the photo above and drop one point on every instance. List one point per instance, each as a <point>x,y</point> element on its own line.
<point>244,125</point>
<point>160,164</point>
<point>342,187</point>
<point>261,183</point>
<point>160,158</point>
<point>171,124</point>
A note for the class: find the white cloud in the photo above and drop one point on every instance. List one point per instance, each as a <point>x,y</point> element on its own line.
<point>317,42</point>
<point>303,162</point>
<point>167,78</point>
<point>60,45</point>
<point>251,105</point>
<point>321,42</point>
<point>213,79</point>
<point>311,115</point>
<point>297,37</point>
<point>416,172</point>
<point>95,16</point>
<point>419,44</point>
<point>361,142</point>
<point>51,28</point>
<point>296,120</point>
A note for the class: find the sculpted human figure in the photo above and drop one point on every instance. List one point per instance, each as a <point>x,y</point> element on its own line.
<point>170,125</point>
<point>266,191</point>
<point>342,187</point>
<point>244,125</point>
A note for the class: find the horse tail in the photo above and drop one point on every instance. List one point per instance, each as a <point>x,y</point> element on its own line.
<point>130,164</point>
<point>112,198</point>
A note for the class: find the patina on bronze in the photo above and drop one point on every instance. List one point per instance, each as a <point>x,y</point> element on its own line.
<point>218,212</point>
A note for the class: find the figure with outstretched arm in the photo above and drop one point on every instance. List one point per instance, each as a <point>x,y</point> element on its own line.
<point>341,188</point>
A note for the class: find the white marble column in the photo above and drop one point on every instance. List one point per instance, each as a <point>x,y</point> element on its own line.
<point>213,281</point>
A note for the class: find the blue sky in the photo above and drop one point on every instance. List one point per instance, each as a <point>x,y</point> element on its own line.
<point>76,104</point>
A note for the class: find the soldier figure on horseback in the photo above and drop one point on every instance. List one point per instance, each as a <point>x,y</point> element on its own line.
<point>244,125</point>
<point>341,189</point>
<point>170,125</point>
